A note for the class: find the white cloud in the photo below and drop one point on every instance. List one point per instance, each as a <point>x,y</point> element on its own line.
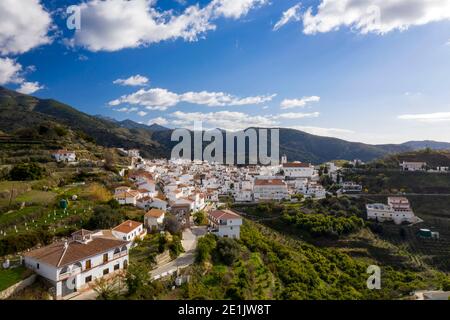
<point>113,25</point>
<point>298,103</point>
<point>10,71</point>
<point>427,117</point>
<point>220,99</point>
<point>142,113</point>
<point>235,8</point>
<point>153,99</point>
<point>24,25</point>
<point>29,87</point>
<point>162,99</point>
<point>230,120</point>
<point>292,14</point>
<point>133,81</point>
<point>160,120</point>
<point>296,115</point>
<point>374,16</point>
<point>127,110</point>
<point>227,120</point>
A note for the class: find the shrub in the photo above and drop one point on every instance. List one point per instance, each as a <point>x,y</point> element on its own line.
<point>172,225</point>
<point>99,193</point>
<point>114,204</point>
<point>200,218</point>
<point>104,218</point>
<point>175,247</point>
<point>227,250</point>
<point>26,172</point>
<point>205,247</point>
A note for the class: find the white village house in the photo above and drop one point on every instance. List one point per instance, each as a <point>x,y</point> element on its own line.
<point>154,219</point>
<point>298,170</point>
<point>128,197</point>
<point>64,156</point>
<point>129,231</point>
<point>413,166</point>
<point>270,189</point>
<point>225,223</point>
<point>398,210</point>
<point>75,264</point>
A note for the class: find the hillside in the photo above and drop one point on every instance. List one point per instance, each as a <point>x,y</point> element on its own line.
<point>433,158</point>
<point>419,145</point>
<point>18,111</point>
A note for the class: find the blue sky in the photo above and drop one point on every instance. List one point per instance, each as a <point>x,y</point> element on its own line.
<point>328,72</point>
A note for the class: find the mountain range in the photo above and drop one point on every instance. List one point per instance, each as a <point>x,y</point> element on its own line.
<point>19,111</point>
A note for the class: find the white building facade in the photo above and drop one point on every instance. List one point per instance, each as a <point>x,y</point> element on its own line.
<point>270,189</point>
<point>397,210</point>
<point>225,223</point>
<point>74,265</point>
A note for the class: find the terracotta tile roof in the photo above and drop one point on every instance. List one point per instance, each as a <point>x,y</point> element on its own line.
<point>58,255</point>
<point>296,165</point>
<point>127,194</point>
<point>224,214</point>
<point>141,173</point>
<point>155,213</point>
<point>127,226</point>
<point>145,199</point>
<point>269,182</point>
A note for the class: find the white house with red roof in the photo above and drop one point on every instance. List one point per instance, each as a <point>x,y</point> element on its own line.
<point>128,197</point>
<point>270,189</point>
<point>146,187</point>
<point>73,265</point>
<point>154,219</point>
<point>225,223</point>
<point>65,156</point>
<point>398,210</point>
<point>129,231</point>
<point>298,170</point>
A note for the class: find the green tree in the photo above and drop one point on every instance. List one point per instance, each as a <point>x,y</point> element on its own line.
<point>104,218</point>
<point>228,250</point>
<point>137,278</point>
<point>172,225</point>
<point>26,172</point>
<point>205,247</point>
<point>200,218</point>
<point>114,204</point>
<point>175,247</point>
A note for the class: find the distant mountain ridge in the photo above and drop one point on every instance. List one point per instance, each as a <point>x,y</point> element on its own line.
<point>130,124</point>
<point>18,111</point>
<point>435,145</point>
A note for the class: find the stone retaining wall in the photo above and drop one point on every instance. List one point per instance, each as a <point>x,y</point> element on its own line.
<point>5,294</point>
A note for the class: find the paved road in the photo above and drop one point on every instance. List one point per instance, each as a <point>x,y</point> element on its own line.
<point>189,242</point>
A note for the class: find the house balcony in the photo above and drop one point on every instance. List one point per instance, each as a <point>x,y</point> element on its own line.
<point>66,275</point>
<point>120,255</point>
<point>213,230</point>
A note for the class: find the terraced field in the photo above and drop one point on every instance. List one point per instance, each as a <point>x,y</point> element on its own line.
<point>435,211</point>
